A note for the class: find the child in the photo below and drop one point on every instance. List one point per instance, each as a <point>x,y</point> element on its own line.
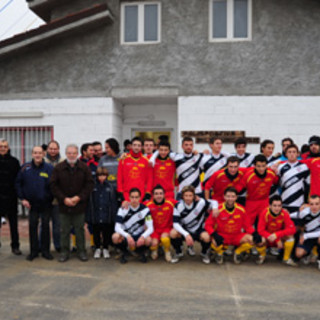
<point>103,205</point>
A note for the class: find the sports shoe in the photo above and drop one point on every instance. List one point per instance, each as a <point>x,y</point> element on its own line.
<point>218,258</point>
<point>105,253</point>
<point>154,254</point>
<point>167,256</point>
<point>190,251</point>
<point>274,251</point>
<point>290,262</point>
<point>206,257</point>
<point>245,256</point>
<point>313,258</point>
<point>97,254</point>
<point>175,258</point>
<point>306,260</point>
<point>123,259</point>
<point>237,258</point>
<point>260,260</point>
<point>229,251</point>
<point>254,252</point>
<point>143,258</point>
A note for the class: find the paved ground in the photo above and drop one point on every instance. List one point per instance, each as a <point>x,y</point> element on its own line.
<point>49,290</point>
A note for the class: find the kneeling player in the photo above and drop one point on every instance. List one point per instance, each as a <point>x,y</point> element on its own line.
<point>277,229</point>
<point>133,227</point>
<point>162,217</point>
<point>188,221</point>
<point>309,220</point>
<point>227,228</point>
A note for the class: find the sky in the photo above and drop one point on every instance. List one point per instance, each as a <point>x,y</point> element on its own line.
<point>16,17</point>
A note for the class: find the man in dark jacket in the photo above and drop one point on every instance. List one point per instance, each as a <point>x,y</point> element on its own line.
<point>33,189</point>
<point>9,168</point>
<point>71,184</point>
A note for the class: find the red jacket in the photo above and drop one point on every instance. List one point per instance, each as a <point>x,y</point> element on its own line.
<point>164,174</point>
<point>314,167</point>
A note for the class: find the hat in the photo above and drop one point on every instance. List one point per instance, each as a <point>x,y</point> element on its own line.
<point>314,140</point>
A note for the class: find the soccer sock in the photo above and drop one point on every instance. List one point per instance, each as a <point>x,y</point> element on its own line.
<point>141,250</point>
<point>91,240</point>
<point>288,246</point>
<point>73,240</point>
<point>243,247</point>
<point>205,246</point>
<point>262,251</point>
<point>219,250</point>
<point>166,244</point>
<point>122,246</point>
<point>154,248</point>
<point>315,251</point>
<point>176,243</point>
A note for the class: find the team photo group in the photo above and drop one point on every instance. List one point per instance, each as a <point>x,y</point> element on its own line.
<point>149,201</point>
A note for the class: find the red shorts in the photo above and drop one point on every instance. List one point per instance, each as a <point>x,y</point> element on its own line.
<point>255,208</point>
<point>157,233</point>
<point>232,239</point>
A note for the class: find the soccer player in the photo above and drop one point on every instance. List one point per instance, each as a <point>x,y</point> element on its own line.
<point>133,227</point>
<point>267,148</point>
<point>231,227</point>
<point>214,161</point>
<point>285,143</point>
<point>314,167</point>
<point>188,222</point>
<point>162,217</point>
<point>277,230</point>
<point>134,172</point>
<point>148,147</point>
<point>246,159</point>
<point>187,166</point>
<point>258,182</point>
<point>222,179</point>
<point>309,219</point>
<point>294,180</point>
<point>164,170</point>
<point>314,147</point>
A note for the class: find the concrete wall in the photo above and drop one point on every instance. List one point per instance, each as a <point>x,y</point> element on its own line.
<point>282,59</point>
<point>266,117</point>
<point>74,120</point>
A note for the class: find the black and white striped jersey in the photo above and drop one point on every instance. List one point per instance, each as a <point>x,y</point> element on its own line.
<point>311,223</point>
<point>294,184</point>
<point>246,160</point>
<point>134,221</point>
<point>272,160</point>
<point>190,219</point>
<point>211,163</point>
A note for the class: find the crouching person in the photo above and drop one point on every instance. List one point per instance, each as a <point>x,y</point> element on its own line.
<point>188,222</point>
<point>277,230</point>
<point>133,227</point>
<point>231,227</point>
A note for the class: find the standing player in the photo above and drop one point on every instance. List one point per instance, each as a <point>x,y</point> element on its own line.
<point>134,172</point>
<point>215,161</point>
<point>309,219</point>
<point>314,167</point>
<point>285,143</point>
<point>164,170</point>
<point>245,158</point>
<point>162,217</point>
<point>148,147</point>
<point>188,221</point>
<point>222,179</point>
<point>133,227</point>
<point>314,146</point>
<point>187,166</point>
<point>258,183</point>
<point>267,148</point>
<point>231,227</point>
<point>277,229</point>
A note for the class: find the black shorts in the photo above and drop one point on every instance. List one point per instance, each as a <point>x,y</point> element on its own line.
<point>196,235</point>
<point>308,245</point>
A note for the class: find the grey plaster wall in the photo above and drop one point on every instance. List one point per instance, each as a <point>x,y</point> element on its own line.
<point>282,59</point>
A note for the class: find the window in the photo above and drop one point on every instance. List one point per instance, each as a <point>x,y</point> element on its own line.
<point>140,22</point>
<point>22,139</point>
<point>230,20</point>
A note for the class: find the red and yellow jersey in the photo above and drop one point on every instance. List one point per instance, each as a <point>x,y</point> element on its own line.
<point>134,172</point>
<point>280,224</point>
<point>164,174</point>
<point>314,167</point>
<point>220,181</point>
<point>162,214</point>
<point>257,188</point>
<point>229,222</point>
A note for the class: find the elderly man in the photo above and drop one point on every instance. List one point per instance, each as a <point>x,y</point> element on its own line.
<point>9,168</point>
<point>71,184</point>
<point>32,186</point>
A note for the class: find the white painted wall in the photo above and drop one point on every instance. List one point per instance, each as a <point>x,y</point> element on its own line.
<point>75,120</point>
<point>271,117</point>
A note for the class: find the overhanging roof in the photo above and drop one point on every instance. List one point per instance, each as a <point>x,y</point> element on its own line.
<point>75,23</point>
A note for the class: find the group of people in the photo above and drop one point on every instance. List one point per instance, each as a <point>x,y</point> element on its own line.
<point>149,200</point>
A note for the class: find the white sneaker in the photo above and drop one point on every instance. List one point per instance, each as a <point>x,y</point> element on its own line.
<point>260,259</point>
<point>168,256</point>
<point>154,254</point>
<point>254,252</point>
<point>206,257</point>
<point>190,251</point>
<point>274,251</point>
<point>290,262</point>
<point>175,258</point>
<point>105,253</point>
<point>97,254</point>
<point>306,259</point>
<point>229,251</point>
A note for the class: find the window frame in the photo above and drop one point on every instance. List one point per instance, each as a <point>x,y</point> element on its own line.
<point>140,27</point>
<point>230,23</point>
